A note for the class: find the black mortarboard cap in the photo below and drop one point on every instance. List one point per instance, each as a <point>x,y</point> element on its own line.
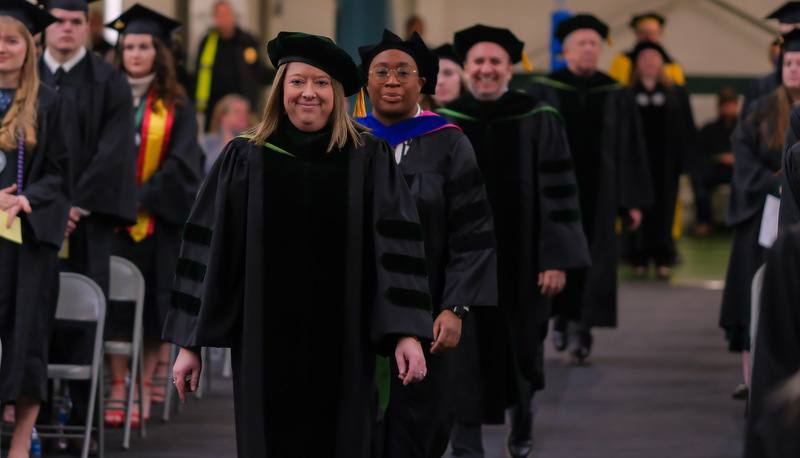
<point>789,13</point>
<point>140,19</point>
<point>580,21</point>
<point>69,5</point>
<point>426,60</point>
<point>446,51</point>
<point>33,17</point>
<point>649,15</point>
<point>790,42</point>
<point>648,45</point>
<point>321,52</point>
<point>465,39</point>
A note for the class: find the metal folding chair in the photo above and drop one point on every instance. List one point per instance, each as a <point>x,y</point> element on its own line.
<point>80,299</point>
<point>755,303</point>
<point>127,284</point>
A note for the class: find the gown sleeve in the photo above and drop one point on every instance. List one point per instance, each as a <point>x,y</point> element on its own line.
<point>770,430</point>
<point>108,182</point>
<point>752,178</point>
<point>208,293</point>
<point>471,271</point>
<point>402,305</point>
<point>170,191</point>
<point>562,243</point>
<point>49,194</point>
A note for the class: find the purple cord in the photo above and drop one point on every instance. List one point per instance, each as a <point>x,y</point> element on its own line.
<point>20,161</point>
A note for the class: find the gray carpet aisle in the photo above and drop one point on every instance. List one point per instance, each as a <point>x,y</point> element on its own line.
<point>658,386</point>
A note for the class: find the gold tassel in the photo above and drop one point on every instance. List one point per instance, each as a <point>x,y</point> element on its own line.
<point>361,106</point>
<point>526,63</point>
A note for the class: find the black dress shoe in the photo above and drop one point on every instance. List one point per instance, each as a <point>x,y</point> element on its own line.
<point>559,335</point>
<point>740,392</point>
<point>519,448</point>
<point>579,355</point>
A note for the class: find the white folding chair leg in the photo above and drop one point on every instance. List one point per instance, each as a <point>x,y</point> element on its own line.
<point>226,364</point>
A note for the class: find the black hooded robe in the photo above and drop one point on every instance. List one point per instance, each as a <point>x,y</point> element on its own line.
<point>306,264</point>
<point>29,279</point>
<point>605,138</point>
<point>754,177</point>
<point>522,152</point>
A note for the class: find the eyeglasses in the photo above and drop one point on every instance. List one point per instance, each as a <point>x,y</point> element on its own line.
<point>381,74</point>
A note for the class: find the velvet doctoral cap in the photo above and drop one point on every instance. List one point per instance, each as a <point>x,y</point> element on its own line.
<point>789,13</point>
<point>648,45</point>
<point>790,42</point>
<point>31,16</point>
<point>644,16</point>
<point>321,52</point>
<point>465,39</point>
<point>69,5</point>
<point>139,19</point>
<point>446,51</point>
<point>580,21</point>
<point>426,60</point>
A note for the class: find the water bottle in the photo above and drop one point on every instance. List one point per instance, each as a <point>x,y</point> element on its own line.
<point>64,414</point>
<point>36,444</point>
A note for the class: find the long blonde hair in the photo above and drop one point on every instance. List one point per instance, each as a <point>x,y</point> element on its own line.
<point>21,115</point>
<point>344,128</point>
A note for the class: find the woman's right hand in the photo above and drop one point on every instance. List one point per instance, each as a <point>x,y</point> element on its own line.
<point>187,364</point>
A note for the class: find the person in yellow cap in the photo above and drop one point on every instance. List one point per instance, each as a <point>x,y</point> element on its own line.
<point>522,152</point>
<point>304,254</point>
<point>606,140</point>
<point>648,28</point>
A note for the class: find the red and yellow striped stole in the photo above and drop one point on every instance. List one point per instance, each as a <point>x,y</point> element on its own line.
<point>156,128</point>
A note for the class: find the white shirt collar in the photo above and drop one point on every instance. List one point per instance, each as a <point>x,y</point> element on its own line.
<point>53,64</point>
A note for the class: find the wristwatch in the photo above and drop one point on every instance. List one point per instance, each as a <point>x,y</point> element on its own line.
<point>461,311</point>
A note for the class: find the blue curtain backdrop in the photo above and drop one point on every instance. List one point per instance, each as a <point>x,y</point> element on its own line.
<point>361,22</point>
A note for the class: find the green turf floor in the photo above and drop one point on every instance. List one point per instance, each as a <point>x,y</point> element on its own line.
<point>704,261</point>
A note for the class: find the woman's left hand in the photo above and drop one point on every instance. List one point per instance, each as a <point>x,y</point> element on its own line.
<point>21,204</point>
<point>410,360</point>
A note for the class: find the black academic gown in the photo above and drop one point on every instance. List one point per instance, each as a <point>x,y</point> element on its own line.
<point>754,176</point>
<point>524,157</point>
<point>29,272</point>
<point>100,135</point>
<point>605,138</point>
<point>303,262</point>
<point>168,194</point>
<point>772,425</point>
<point>671,141</point>
<point>790,183</point>
<point>447,186</point>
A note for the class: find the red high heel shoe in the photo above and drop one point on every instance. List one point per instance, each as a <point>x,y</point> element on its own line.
<point>115,417</point>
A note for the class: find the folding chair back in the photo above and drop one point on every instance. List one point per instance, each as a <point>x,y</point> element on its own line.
<point>80,299</point>
<point>127,284</point>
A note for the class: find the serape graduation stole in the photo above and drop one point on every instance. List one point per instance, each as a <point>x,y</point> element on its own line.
<point>156,125</point>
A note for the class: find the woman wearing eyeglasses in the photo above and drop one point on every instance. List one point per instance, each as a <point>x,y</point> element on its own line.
<point>442,173</point>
